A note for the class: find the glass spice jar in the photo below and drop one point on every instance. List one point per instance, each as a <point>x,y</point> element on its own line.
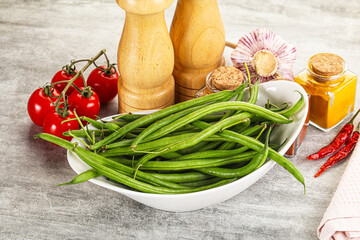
<point>222,78</point>
<point>332,88</point>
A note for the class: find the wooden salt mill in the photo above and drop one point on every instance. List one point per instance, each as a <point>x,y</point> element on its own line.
<point>198,36</point>
<point>145,57</point>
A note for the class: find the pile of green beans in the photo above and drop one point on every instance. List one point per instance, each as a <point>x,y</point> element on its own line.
<point>188,147</point>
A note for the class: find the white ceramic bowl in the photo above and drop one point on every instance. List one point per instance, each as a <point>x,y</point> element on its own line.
<point>279,92</point>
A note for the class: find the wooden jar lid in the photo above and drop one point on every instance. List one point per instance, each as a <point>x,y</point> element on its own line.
<point>326,64</point>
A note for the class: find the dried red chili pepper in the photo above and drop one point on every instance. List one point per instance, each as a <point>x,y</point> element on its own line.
<point>341,154</point>
<point>338,141</point>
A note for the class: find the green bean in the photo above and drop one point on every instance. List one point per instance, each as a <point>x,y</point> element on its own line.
<point>82,134</point>
<point>141,186</point>
<point>193,148</point>
<point>181,177</point>
<point>216,107</point>
<point>112,126</point>
<point>257,146</point>
<point>123,147</point>
<point>133,183</point>
<point>195,139</point>
<point>102,162</point>
<point>93,122</point>
<point>125,170</point>
<point>241,127</point>
<point>287,112</point>
<point>118,123</point>
<point>162,141</point>
<point>237,128</point>
<point>171,155</point>
<point>254,164</point>
<point>212,117</point>
<point>201,183</point>
<point>238,98</point>
<point>247,132</point>
<point>91,173</point>
<point>209,146</point>
<point>277,109</point>
<point>295,108</point>
<point>163,122</point>
<point>254,92</point>
<point>223,152</point>
<point>213,154</point>
<point>191,164</point>
<point>222,95</point>
<point>129,117</point>
<point>83,177</point>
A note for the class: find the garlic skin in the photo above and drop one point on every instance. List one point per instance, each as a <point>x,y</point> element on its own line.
<point>266,54</point>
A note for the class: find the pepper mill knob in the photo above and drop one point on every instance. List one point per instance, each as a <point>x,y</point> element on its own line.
<point>145,57</point>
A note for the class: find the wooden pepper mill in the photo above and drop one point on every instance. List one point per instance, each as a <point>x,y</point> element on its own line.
<point>145,57</point>
<point>198,36</point>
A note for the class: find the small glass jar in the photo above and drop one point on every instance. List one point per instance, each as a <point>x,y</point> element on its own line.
<point>210,87</point>
<point>332,88</point>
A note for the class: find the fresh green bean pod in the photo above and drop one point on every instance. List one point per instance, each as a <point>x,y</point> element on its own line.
<point>216,107</point>
<point>295,108</point>
<point>213,154</point>
<point>171,155</point>
<point>254,164</point>
<point>93,122</point>
<point>191,164</point>
<point>82,134</point>
<point>212,129</point>
<point>181,177</point>
<point>219,96</point>
<point>201,183</point>
<point>129,117</point>
<point>99,163</point>
<point>112,126</point>
<point>163,122</point>
<point>278,109</point>
<point>83,177</point>
<point>193,148</point>
<point>123,147</point>
<point>287,112</point>
<point>238,98</point>
<point>254,92</point>
<point>209,146</point>
<point>257,146</point>
<point>141,186</point>
<point>212,117</point>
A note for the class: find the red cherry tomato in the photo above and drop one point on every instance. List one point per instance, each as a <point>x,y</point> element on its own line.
<point>52,124</point>
<point>40,104</point>
<point>104,84</point>
<point>63,76</point>
<point>85,104</point>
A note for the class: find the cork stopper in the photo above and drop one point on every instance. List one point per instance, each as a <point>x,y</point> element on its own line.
<point>226,78</point>
<point>326,64</point>
<point>264,63</point>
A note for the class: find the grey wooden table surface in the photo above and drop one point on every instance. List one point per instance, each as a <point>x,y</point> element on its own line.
<point>38,37</point>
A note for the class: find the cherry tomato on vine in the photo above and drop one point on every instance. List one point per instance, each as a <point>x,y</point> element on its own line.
<point>104,82</point>
<point>41,103</point>
<point>86,103</point>
<point>64,75</point>
<point>52,124</point>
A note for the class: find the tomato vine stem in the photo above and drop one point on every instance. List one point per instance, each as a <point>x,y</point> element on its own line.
<point>81,72</point>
